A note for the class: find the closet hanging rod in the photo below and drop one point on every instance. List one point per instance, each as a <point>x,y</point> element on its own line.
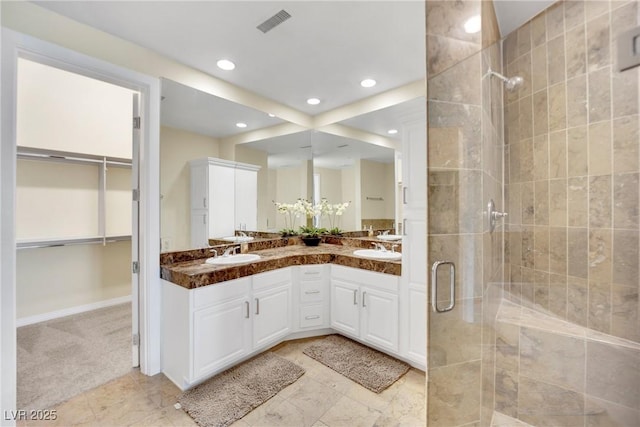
<point>69,242</point>
<point>28,153</point>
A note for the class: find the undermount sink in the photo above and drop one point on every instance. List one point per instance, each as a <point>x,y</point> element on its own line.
<point>390,237</point>
<point>378,254</point>
<point>238,239</point>
<point>233,259</point>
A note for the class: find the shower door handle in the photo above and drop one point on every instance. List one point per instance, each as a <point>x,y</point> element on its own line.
<point>434,286</point>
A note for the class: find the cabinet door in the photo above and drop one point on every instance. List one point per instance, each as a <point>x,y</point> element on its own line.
<point>417,333</point>
<point>199,228</point>
<point>345,315</point>
<point>199,191</point>
<point>221,201</point>
<point>246,200</point>
<point>379,318</point>
<point>271,315</point>
<point>221,335</point>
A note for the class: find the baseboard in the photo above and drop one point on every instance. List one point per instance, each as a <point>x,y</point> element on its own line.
<point>30,320</point>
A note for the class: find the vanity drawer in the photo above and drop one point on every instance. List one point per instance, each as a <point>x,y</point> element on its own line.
<point>311,272</point>
<point>312,291</point>
<point>311,316</point>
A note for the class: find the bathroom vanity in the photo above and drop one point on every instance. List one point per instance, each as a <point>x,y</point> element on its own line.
<point>215,316</point>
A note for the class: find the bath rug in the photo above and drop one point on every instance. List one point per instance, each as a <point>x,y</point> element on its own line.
<point>366,366</point>
<point>231,395</point>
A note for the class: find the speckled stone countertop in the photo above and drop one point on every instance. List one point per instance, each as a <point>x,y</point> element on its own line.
<point>189,270</point>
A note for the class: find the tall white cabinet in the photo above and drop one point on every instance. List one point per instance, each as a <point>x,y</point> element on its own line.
<point>224,197</point>
<point>414,241</point>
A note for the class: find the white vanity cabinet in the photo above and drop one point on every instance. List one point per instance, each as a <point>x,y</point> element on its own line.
<point>364,305</point>
<point>209,329</point>
<point>224,198</point>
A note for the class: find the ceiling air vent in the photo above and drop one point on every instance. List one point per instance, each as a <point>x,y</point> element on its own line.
<point>274,21</point>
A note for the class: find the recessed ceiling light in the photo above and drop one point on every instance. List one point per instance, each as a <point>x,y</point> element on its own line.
<point>473,25</point>
<point>271,115</point>
<point>392,131</point>
<point>225,64</point>
<point>241,125</point>
<point>313,101</point>
<point>368,83</point>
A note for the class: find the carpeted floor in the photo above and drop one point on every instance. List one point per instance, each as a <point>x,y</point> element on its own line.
<point>60,358</point>
<point>366,366</point>
<point>231,395</point>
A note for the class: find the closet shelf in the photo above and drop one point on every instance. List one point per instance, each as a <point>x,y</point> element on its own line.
<point>50,243</point>
<point>29,153</point>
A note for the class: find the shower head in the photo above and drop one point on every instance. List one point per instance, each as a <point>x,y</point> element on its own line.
<point>510,84</point>
<point>513,83</point>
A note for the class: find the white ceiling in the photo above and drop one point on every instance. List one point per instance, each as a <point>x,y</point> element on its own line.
<point>512,14</point>
<point>324,50</point>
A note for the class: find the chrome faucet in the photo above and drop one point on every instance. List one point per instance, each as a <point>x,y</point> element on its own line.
<point>215,252</point>
<point>242,234</point>
<point>230,250</point>
<point>379,246</point>
<point>393,248</point>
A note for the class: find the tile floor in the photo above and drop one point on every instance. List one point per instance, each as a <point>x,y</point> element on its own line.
<point>321,397</point>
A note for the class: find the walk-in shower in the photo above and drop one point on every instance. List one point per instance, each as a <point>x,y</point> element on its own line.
<point>511,83</point>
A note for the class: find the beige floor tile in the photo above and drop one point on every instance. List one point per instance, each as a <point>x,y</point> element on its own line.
<point>379,402</point>
<point>127,412</point>
<point>331,378</point>
<point>72,412</point>
<point>179,418</point>
<point>112,393</point>
<point>283,414</point>
<point>157,419</point>
<point>349,413</point>
<point>254,417</point>
<point>313,399</point>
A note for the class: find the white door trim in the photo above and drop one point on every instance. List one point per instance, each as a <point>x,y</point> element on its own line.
<point>15,45</point>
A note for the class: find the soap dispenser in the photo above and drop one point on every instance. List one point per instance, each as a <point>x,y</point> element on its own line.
<point>370,231</point>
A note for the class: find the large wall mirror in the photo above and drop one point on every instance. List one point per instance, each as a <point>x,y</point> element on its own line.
<point>308,164</point>
<point>340,150</point>
<point>355,161</point>
<point>341,166</point>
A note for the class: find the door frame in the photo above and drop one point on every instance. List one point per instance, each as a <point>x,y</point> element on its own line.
<point>15,45</point>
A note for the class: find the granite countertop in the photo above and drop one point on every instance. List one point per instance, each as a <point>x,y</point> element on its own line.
<point>195,273</point>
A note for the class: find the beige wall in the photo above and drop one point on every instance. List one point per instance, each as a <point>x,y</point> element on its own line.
<point>85,119</point>
<point>51,279</point>
<point>259,158</point>
<point>330,189</point>
<point>352,218</point>
<point>177,148</point>
<point>377,181</point>
<point>291,184</point>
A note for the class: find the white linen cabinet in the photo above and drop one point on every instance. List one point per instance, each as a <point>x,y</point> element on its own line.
<point>224,197</point>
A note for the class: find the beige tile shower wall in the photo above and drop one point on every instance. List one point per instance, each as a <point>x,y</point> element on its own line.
<point>573,165</point>
<point>465,150</point>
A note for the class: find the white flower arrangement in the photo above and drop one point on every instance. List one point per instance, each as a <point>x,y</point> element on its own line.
<point>293,211</point>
